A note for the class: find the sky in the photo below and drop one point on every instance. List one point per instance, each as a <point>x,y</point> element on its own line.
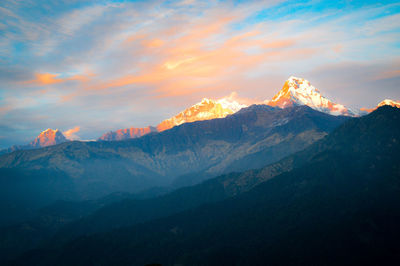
<point>88,67</point>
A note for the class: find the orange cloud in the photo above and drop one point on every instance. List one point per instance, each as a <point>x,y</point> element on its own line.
<point>153,43</point>
<point>48,79</point>
<point>369,110</point>
<point>201,56</point>
<point>70,133</point>
<point>280,44</point>
<point>187,65</point>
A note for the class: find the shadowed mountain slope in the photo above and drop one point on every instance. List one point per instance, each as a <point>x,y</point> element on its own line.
<point>338,204</point>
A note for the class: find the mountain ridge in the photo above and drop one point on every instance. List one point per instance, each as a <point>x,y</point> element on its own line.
<point>183,155</point>
<point>295,92</point>
<point>308,212</point>
<point>206,109</point>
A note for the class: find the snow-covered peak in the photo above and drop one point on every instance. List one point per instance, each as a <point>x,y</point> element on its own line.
<point>228,103</point>
<point>49,131</point>
<point>389,102</point>
<point>298,91</point>
<point>204,110</point>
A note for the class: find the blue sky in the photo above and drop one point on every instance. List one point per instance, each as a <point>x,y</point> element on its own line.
<point>105,65</point>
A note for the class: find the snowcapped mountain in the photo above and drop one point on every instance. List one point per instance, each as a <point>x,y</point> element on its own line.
<point>382,103</point>
<point>389,102</point>
<point>298,91</point>
<point>47,138</point>
<point>205,110</point>
<point>295,92</point>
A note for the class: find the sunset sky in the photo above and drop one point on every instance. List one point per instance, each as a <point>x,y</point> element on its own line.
<point>91,67</point>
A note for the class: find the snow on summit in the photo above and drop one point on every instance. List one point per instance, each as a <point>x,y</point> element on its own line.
<point>389,102</point>
<point>298,91</point>
<point>204,110</point>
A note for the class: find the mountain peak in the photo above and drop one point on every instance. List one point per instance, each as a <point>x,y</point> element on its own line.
<point>389,102</point>
<point>299,91</point>
<point>48,137</point>
<point>49,131</point>
<point>204,110</point>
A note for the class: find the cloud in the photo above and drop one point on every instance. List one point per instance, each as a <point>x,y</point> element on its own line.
<point>233,96</point>
<point>49,79</point>
<point>71,133</point>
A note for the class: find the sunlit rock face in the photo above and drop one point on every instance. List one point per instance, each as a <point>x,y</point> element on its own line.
<point>205,110</point>
<point>48,137</point>
<point>127,133</point>
<point>298,91</point>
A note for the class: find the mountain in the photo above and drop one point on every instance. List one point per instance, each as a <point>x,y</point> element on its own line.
<point>205,110</point>
<point>298,91</point>
<point>127,133</point>
<point>339,207</point>
<point>295,92</point>
<point>388,102</point>
<point>184,155</point>
<point>46,138</point>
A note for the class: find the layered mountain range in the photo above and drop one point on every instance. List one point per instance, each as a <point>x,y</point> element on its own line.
<point>183,155</point>
<point>219,178</point>
<point>318,206</point>
<point>295,92</point>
